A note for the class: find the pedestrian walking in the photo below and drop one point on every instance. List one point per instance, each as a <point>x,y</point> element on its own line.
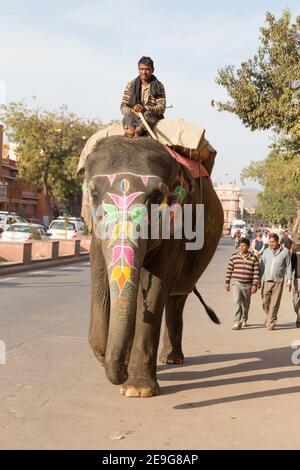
<point>275,266</point>
<point>243,273</point>
<point>257,245</point>
<point>265,239</point>
<point>286,241</point>
<point>296,282</point>
<point>237,238</point>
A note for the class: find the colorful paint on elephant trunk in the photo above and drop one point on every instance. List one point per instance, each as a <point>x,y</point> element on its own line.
<point>122,262</point>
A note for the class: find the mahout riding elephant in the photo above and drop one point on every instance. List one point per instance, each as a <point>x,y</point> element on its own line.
<point>135,278</point>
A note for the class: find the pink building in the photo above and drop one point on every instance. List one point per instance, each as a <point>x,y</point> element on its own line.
<point>231,200</point>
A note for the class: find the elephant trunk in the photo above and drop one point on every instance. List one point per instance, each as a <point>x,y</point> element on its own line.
<point>124,265</point>
<point>120,336</point>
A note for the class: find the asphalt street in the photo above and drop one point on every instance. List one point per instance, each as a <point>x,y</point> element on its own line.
<point>236,389</point>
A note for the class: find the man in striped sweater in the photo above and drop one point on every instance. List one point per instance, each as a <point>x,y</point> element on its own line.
<point>243,273</point>
<point>144,95</point>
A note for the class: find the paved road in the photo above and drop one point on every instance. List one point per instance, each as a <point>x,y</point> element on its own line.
<point>237,389</point>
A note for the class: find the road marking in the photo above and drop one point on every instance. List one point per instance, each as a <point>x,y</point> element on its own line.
<point>8,279</point>
<point>38,272</point>
<point>68,267</point>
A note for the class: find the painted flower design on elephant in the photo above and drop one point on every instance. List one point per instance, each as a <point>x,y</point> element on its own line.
<point>122,272</point>
<point>122,216</point>
<point>122,255</point>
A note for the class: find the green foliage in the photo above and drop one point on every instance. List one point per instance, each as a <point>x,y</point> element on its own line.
<point>259,89</point>
<point>279,174</point>
<point>66,222</point>
<point>35,233</point>
<point>262,98</point>
<point>86,230</point>
<point>274,210</point>
<point>48,145</point>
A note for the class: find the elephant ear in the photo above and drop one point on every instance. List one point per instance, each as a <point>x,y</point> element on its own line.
<point>86,208</point>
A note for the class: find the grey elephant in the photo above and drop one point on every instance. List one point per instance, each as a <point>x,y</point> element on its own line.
<point>135,278</point>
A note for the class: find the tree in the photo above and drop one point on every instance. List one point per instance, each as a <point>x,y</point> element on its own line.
<point>279,174</point>
<point>48,145</point>
<point>263,98</point>
<point>260,88</point>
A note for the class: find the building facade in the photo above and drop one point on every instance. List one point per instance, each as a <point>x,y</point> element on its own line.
<point>17,195</point>
<point>231,200</point>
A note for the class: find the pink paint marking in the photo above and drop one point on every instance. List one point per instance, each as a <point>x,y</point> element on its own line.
<point>124,202</point>
<point>111,178</point>
<point>144,178</point>
<point>116,254</point>
<point>129,255</point>
<point>125,251</point>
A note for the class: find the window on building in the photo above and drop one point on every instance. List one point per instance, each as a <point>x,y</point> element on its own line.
<point>2,192</point>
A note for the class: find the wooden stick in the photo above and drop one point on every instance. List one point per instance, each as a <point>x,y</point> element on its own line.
<point>147,126</point>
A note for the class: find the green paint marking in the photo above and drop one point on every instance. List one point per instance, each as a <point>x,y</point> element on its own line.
<point>180,192</point>
<point>110,218</point>
<point>110,208</point>
<point>138,214</point>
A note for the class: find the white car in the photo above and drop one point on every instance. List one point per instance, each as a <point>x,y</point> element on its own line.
<point>23,232</point>
<point>7,218</point>
<point>78,220</point>
<point>59,230</point>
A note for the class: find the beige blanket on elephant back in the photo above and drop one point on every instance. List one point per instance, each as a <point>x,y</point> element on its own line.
<point>186,138</point>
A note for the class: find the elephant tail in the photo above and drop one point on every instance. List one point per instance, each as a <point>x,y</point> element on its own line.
<point>208,310</point>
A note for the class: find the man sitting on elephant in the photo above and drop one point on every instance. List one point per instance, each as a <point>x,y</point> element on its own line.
<point>144,95</point>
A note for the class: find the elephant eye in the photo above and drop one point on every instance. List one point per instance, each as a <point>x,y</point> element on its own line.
<point>156,197</point>
<point>95,198</point>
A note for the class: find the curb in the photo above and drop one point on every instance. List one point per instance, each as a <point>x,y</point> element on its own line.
<point>39,264</point>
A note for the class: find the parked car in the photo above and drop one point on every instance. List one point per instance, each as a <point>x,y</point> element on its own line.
<point>73,219</point>
<point>61,229</point>
<point>7,218</point>
<point>23,232</point>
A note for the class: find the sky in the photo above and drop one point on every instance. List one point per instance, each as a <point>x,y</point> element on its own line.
<point>82,53</point>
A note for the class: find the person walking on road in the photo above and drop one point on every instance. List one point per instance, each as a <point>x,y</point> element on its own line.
<point>296,283</point>
<point>257,245</point>
<point>237,239</point>
<point>243,272</point>
<point>287,242</point>
<point>275,266</point>
<point>265,239</point>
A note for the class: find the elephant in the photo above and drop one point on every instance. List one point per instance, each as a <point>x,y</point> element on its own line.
<point>133,280</point>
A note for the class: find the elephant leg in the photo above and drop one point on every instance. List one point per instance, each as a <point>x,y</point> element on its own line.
<point>142,380</point>
<point>100,303</point>
<point>172,350</point>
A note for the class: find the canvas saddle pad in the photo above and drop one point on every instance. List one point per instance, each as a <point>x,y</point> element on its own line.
<point>185,138</point>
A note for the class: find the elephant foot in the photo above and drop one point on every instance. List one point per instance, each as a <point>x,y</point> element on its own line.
<point>146,390</point>
<point>171,357</point>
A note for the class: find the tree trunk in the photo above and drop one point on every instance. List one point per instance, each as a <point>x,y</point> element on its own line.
<point>46,191</point>
<point>296,227</point>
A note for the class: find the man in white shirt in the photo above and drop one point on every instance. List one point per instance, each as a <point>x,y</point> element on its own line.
<point>275,266</point>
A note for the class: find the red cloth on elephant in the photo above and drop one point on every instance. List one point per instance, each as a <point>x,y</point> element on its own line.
<point>195,168</point>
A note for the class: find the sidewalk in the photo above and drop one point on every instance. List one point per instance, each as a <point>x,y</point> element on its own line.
<point>8,268</point>
<point>16,257</point>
